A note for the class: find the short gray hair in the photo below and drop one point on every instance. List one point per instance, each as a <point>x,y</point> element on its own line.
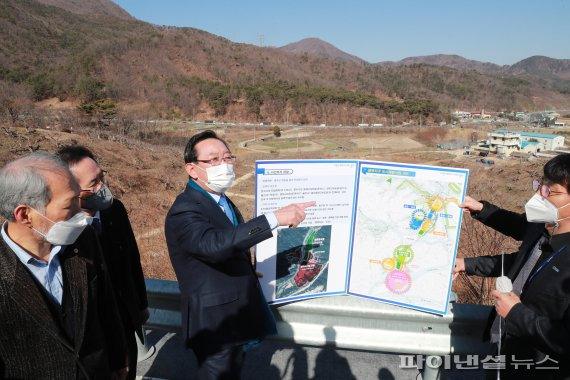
<point>23,182</point>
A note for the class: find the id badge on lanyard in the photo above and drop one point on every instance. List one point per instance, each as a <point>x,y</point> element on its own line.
<point>544,264</point>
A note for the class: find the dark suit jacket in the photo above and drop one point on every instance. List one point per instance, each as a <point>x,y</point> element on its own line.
<point>222,304</point>
<point>33,344</point>
<point>540,324</point>
<point>123,260</point>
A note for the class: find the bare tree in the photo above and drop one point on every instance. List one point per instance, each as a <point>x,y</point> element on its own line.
<point>14,100</point>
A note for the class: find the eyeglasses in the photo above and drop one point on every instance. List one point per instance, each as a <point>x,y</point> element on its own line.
<point>544,189</point>
<point>99,181</point>
<point>229,159</point>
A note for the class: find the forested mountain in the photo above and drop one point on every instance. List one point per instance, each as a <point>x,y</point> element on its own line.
<point>319,48</point>
<point>48,51</point>
<point>542,67</point>
<point>537,67</point>
<point>90,7</point>
<point>451,61</point>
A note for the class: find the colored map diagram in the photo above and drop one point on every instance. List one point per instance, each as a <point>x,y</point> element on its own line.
<point>302,260</point>
<point>405,235</point>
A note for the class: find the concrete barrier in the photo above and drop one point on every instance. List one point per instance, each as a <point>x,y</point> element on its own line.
<point>353,323</point>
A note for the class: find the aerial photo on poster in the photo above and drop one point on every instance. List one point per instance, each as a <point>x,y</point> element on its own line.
<point>302,260</point>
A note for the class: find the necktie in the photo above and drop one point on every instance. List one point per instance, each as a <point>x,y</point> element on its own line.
<point>226,207</point>
<point>521,278</point>
<point>518,284</point>
<point>96,224</point>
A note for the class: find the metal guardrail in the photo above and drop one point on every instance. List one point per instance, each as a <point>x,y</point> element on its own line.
<point>352,323</point>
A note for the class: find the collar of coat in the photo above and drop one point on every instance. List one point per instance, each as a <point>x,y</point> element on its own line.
<point>21,288</point>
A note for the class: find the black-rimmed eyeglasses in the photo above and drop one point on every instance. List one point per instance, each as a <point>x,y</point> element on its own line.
<point>544,188</point>
<point>230,159</point>
<point>99,181</point>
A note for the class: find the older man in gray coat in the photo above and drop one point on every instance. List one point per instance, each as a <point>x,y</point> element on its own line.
<point>58,316</point>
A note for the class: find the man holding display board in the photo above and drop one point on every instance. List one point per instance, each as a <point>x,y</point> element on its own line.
<point>535,332</point>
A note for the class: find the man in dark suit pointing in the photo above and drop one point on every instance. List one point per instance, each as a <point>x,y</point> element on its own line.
<point>223,308</point>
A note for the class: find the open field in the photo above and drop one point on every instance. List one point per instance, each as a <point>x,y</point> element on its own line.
<point>148,176</point>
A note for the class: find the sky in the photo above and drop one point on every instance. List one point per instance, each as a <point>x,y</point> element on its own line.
<point>498,31</point>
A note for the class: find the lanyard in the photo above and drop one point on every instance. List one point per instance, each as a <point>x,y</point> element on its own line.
<point>545,263</point>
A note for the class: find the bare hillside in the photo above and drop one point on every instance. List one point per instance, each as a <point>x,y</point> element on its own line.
<point>147,174</point>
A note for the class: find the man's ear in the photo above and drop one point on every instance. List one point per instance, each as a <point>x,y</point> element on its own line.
<point>191,170</point>
<point>22,215</point>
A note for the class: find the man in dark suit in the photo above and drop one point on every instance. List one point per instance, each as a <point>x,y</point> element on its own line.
<point>223,307</point>
<point>535,330</point>
<point>111,222</point>
<point>58,315</point>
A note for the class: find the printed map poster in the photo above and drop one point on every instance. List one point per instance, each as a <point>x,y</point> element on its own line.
<point>406,234</point>
<point>312,259</point>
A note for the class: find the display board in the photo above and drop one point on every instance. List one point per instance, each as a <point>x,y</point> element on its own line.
<point>380,230</point>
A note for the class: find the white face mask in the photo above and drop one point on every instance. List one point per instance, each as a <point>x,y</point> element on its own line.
<point>66,232</point>
<point>540,210</point>
<point>220,177</point>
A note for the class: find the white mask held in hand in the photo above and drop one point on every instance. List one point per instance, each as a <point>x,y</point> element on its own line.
<point>220,177</point>
<point>66,232</point>
<point>540,210</point>
<point>504,284</point>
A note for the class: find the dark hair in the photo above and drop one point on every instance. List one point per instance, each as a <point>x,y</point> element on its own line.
<point>557,170</point>
<point>190,154</point>
<point>72,154</point>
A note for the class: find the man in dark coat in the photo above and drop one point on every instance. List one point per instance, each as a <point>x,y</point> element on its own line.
<point>113,228</point>
<point>223,307</point>
<point>58,315</point>
<point>536,313</point>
